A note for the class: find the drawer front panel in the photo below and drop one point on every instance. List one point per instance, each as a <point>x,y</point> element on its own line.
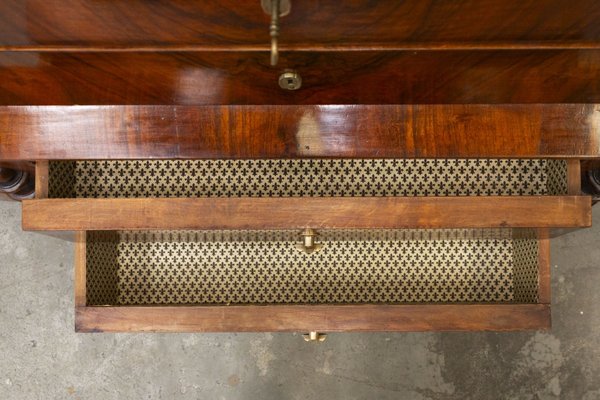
<point>328,78</point>
<point>243,24</point>
<point>322,318</point>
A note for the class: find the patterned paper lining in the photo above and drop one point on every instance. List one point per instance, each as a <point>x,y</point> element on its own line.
<point>264,267</point>
<point>306,178</point>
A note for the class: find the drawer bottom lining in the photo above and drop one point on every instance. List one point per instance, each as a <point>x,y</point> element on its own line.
<point>354,267</point>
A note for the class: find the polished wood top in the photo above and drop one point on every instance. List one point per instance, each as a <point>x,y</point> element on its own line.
<point>352,131</point>
<point>185,79</point>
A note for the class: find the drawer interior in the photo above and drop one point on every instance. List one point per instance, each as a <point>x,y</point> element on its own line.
<point>132,268</point>
<point>307,178</point>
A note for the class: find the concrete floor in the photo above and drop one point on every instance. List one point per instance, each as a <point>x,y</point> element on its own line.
<point>42,358</point>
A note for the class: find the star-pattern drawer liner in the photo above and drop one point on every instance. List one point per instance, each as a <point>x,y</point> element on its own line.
<point>354,266</point>
<point>306,178</point>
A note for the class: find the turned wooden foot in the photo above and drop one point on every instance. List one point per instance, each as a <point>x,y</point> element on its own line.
<point>18,184</point>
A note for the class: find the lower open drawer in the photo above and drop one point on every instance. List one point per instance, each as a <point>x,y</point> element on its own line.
<point>359,280</point>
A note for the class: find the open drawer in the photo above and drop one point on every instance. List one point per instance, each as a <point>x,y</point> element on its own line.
<point>299,193</point>
<point>373,280</point>
<point>407,245</point>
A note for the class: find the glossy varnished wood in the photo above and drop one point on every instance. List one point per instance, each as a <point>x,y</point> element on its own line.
<point>296,213</point>
<point>210,78</point>
<point>435,131</point>
<point>207,53</point>
<point>311,24</point>
<point>322,318</point>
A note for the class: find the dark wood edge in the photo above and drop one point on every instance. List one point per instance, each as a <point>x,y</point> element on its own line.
<point>80,280</point>
<point>22,165</point>
<point>321,318</point>
<point>544,281</point>
<point>314,212</point>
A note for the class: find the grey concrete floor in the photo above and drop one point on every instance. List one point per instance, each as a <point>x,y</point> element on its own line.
<point>42,358</point>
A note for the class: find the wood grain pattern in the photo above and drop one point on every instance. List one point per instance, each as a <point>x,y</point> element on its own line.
<point>545,286</point>
<point>391,131</point>
<point>80,269</point>
<point>41,179</point>
<point>344,318</point>
<point>297,213</point>
<point>243,78</point>
<point>312,23</point>
<point>574,177</point>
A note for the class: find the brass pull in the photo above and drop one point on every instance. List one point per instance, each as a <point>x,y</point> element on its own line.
<point>314,337</point>
<point>290,80</point>
<point>308,244</point>
<point>276,9</point>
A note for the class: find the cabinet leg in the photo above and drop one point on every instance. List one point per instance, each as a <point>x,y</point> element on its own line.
<point>17,181</point>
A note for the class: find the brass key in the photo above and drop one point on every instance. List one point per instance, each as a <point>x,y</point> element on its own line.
<point>276,9</point>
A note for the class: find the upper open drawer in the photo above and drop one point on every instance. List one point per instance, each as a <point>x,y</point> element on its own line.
<point>290,194</point>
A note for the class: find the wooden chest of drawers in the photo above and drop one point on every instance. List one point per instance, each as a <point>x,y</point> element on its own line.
<point>216,245</point>
<point>411,180</point>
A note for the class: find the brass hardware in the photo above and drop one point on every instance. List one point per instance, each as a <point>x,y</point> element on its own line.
<point>276,9</point>
<point>285,6</point>
<point>314,337</point>
<point>308,244</point>
<point>290,80</point>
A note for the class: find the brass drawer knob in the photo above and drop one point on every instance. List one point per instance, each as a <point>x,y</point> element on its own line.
<point>309,245</point>
<point>314,337</point>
